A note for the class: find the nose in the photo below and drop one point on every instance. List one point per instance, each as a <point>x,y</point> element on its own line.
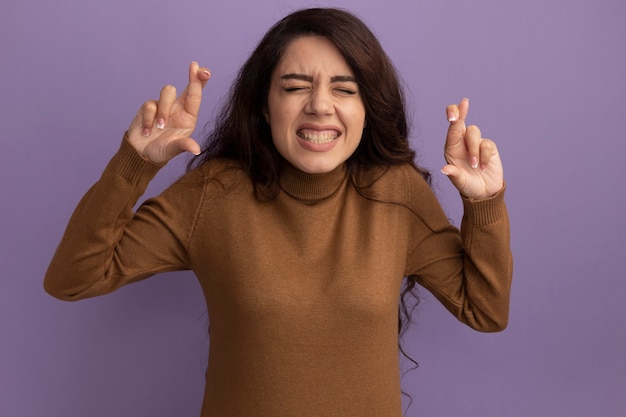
<point>320,103</point>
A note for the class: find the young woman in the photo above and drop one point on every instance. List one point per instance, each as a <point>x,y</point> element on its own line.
<point>302,217</point>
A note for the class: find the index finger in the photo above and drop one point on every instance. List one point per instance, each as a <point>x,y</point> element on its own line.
<point>456,116</point>
<point>192,95</point>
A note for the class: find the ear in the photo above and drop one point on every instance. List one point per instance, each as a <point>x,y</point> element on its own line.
<point>266,115</point>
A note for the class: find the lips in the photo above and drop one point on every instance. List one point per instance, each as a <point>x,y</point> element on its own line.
<point>316,136</point>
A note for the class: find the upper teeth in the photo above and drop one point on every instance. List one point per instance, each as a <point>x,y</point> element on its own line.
<point>318,136</point>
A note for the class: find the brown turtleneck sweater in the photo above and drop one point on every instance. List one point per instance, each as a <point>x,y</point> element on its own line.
<point>303,291</point>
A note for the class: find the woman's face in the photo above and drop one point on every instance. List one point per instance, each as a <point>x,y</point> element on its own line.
<point>314,106</point>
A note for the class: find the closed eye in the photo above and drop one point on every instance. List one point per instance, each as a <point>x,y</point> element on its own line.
<point>347,91</point>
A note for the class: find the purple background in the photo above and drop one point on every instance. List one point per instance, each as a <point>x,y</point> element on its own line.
<point>547,82</point>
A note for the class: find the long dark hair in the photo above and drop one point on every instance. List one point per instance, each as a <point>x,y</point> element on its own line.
<point>242,133</point>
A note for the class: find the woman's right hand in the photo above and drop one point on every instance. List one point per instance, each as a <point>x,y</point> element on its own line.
<point>162,128</point>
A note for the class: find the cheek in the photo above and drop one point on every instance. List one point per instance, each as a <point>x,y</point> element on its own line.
<point>357,120</point>
<point>279,124</point>
<point>280,117</point>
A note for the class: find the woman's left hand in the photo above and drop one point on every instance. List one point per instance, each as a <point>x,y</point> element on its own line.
<point>474,165</point>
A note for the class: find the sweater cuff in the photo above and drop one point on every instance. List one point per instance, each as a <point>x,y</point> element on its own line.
<point>487,211</point>
<point>131,165</point>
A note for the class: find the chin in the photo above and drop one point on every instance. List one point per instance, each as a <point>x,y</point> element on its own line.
<point>316,167</point>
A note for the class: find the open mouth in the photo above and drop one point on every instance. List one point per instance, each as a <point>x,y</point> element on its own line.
<point>317,136</point>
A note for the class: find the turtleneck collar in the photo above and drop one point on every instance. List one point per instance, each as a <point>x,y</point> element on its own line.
<point>311,188</point>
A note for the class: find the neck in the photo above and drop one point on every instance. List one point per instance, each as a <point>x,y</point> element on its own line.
<point>311,187</point>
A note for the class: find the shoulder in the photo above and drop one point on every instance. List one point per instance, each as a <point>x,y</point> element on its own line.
<point>204,190</point>
<point>403,185</point>
<point>209,181</point>
<point>400,183</point>
<point>218,172</point>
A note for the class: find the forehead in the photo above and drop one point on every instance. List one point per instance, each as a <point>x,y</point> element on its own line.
<point>312,55</point>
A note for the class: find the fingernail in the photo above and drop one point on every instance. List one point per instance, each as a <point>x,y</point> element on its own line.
<point>474,162</point>
<point>208,74</point>
<point>444,172</point>
<point>160,124</point>
<point>451,117</point>
<point>146,132</point>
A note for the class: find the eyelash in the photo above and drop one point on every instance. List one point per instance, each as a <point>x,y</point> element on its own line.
<point>341,90</point>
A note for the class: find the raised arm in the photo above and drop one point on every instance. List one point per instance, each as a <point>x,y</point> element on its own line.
<point>469,272</point>
<point>106,244</point>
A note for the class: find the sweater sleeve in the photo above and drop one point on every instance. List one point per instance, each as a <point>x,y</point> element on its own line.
<point>468,271</point>
<point>106,244</point>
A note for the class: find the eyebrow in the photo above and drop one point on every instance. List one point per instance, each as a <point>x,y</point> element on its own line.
<point>304,77</point>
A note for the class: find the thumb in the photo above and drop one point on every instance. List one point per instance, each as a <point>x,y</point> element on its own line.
<point>455,175</point>
<point>178,146</point>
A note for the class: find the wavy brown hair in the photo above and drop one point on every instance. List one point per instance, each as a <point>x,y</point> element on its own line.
<point>242,133</point>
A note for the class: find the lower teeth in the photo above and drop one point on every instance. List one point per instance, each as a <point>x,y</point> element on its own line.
<point>318,141</point>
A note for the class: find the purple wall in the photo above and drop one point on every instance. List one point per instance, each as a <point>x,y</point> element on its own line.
<point>547,82</point>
